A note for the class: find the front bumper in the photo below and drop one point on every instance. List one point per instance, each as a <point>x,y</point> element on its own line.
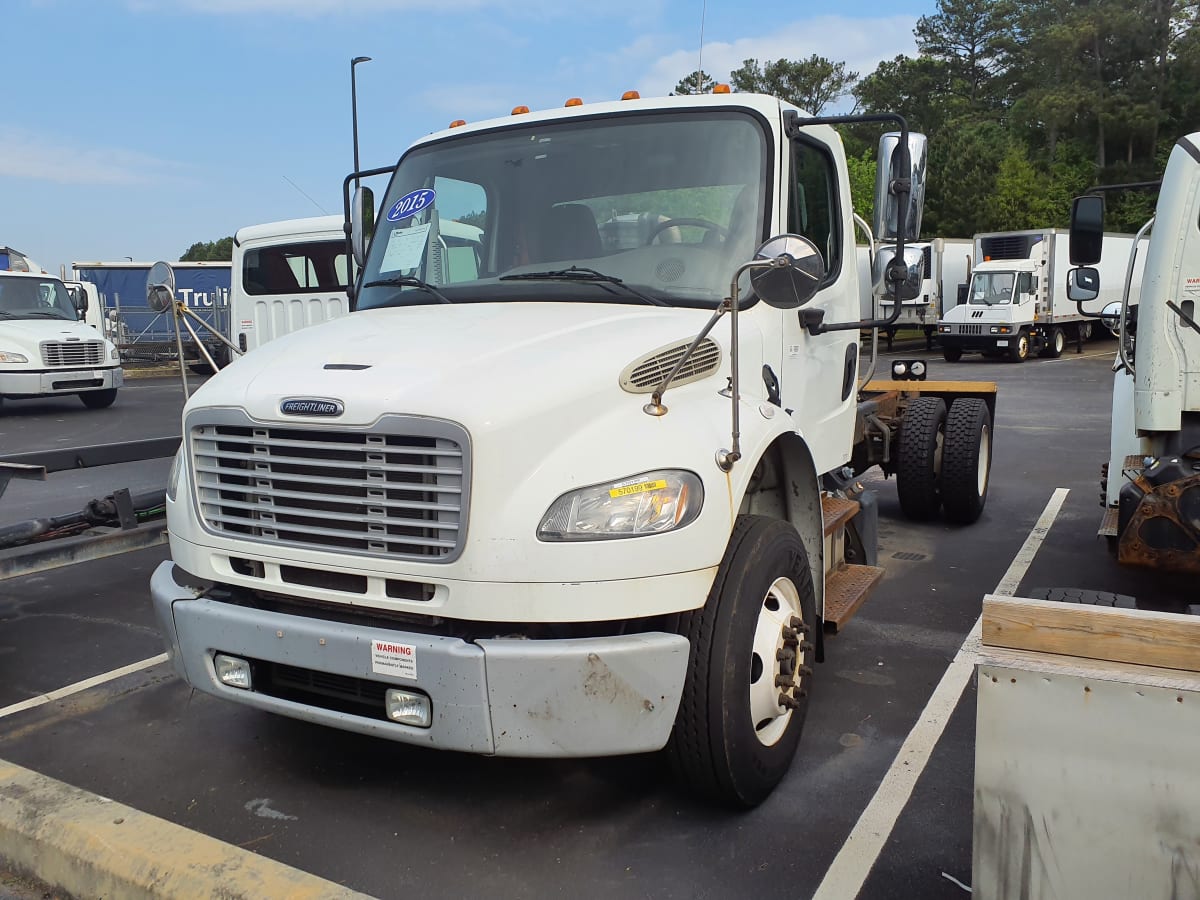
<point>60,381</point>
<point>577,697</point>
<point>974,343</point>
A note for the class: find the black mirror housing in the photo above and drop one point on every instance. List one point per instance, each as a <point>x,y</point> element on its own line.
<point>1087,229</point>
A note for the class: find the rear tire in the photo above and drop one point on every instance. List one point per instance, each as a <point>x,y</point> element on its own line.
<point>733,742</point>
<point>966,460</point>
<point>919,458</point>
<point>952,354</point>
<point>1056,345</point>
<point>99,399</point>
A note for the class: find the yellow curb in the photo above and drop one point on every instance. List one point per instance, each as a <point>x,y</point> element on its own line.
<point>90,846</point>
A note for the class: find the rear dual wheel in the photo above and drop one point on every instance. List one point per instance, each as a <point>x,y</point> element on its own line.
<point>750,670</point>
<point>944,459</point>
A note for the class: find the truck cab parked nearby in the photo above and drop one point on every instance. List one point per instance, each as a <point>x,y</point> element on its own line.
<point>947,264</point>
<point>1150,486</point>
<point>578,475</point>
<point>1017,301</point>
<point>45,350</point>
<point>285,276</point>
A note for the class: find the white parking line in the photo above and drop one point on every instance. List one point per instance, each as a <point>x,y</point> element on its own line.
<point>1066,358</point>
<point>846,876</point>
<point>87,683</point>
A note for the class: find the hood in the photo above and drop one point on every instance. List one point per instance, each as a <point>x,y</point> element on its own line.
<point>476,364</point>
<point>28,334</point>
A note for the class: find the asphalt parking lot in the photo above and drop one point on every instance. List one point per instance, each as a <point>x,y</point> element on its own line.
<point>389,820</point>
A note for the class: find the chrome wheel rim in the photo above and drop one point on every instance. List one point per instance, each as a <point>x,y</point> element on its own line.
<point>779,658</point>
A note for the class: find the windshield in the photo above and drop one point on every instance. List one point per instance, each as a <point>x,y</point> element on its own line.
<point>992,288</point>
<point>35,298</point>
<point>669,203</point>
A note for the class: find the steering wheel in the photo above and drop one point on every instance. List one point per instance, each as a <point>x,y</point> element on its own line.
<point>697,223</point>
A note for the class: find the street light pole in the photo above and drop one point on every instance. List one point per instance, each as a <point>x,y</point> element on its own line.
<point>354,107</point>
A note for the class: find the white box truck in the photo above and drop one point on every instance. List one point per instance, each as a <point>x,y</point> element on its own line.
<point>1017,301</point>
<point>947,265</point>
<point>285,276</point>
<point>545,494</point>
<point>45,348</point>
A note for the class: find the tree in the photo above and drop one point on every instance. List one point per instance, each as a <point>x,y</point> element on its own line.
<point>209,251</point>
<point>698,82</point>
<point>972,37</point>
<point>811,84</point>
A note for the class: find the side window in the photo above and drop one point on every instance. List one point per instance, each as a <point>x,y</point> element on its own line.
<point>813,205</point>
<point>295,268</point>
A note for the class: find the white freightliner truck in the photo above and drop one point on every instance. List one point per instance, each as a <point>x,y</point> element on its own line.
<point>546,494</point>
<point>45,348</point>
<point>1150,486</point>
<point>947,263</point>
<point>1017,300</point>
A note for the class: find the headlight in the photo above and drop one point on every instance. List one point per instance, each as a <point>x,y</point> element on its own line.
<point>173,476</point>
<point>944,329</point>
<point>7,356</point>
<point>114,353</point>
<point>650,503</point>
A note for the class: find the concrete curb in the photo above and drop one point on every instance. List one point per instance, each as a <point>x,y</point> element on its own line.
<point>90,846</point>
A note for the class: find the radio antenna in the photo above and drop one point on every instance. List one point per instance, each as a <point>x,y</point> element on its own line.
<point>700,62</point>
<point>302,191</point>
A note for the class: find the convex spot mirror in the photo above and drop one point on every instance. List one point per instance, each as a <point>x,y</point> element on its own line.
<point>1111,316</point>
<point>160,286</point>
<point>362,223</point>
<point>792,285</point>
<point>1084,284</point>
<point>913,272</point>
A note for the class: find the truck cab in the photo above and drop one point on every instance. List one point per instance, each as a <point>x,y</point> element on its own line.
<point>45,347</point>
<point>577,474</point>
<point>1002,299</point>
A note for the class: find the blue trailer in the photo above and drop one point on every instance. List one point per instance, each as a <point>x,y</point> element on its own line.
<point>142,333</point>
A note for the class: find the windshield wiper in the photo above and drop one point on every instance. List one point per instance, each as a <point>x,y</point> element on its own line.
<point>410,281</point>
<point>582,273</point>
<point>45,315</point>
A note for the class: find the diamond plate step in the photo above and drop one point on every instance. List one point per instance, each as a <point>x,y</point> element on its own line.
<point>845,591</point>
<point>1108,525</point>
<point>836,512</point>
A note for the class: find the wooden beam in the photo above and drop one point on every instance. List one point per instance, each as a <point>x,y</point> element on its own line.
<point>1137,636</point>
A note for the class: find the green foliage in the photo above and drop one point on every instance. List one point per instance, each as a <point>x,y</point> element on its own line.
<point>209,251</point>
<point>698,82</point>
<point>1026,104</point>
<point>811,84</point>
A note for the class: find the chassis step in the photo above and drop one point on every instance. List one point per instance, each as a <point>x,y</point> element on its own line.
<point>837,511</point>
<point>845,590</point>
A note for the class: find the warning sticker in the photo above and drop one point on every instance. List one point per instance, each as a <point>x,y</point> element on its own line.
<point>641,487</point>
<point>399,660</point>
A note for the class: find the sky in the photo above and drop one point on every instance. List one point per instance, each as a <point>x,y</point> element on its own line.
<point>134,128</point>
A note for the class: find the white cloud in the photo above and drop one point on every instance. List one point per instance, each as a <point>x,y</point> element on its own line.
<point>37,157</point>
<point>317,8</point>
<point>861,43</point>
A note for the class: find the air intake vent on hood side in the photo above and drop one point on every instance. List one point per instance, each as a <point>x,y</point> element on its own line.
<point>643,375</point>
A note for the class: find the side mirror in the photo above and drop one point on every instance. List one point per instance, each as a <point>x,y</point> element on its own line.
<point>1087,230</point>
<point>912,267</point>
<point>894,163</point>
<point>362,222</point>
<point>1084,284</point>
<point>160,287</point>
<point>791,285</point>
<point>1111,317</point>
<point>79,299</point>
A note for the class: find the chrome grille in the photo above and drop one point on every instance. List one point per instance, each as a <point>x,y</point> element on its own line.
<point>72,353</point>
<point>398,490</point>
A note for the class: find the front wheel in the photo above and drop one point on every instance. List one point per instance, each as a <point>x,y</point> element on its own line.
<point>750,670</point>
<point>1018,351</point>
<point>99,399</point>
<point>952,354</point>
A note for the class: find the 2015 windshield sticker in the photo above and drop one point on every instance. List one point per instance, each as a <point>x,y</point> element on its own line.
<point>641,487</point>
<point>394,659</point>
<point>411,204</point>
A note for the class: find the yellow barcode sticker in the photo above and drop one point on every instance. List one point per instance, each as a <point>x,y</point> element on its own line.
<point>640,488</point>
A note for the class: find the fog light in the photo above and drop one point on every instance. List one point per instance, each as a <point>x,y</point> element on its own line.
<point>232,671</point>
<point>408,708</point>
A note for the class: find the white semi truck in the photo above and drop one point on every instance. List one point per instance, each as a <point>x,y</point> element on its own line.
<point>45,348</point>
<point>552,490</point>
<point>1150,485</point>
<point>1017,300</point>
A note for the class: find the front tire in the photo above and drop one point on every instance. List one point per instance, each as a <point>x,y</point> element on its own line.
<point>919,458</point>
<point>750,670</point>
<point>99,399</point>
<point>952,354</point>
<point>966,460</point>
<point>1019,350</point>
